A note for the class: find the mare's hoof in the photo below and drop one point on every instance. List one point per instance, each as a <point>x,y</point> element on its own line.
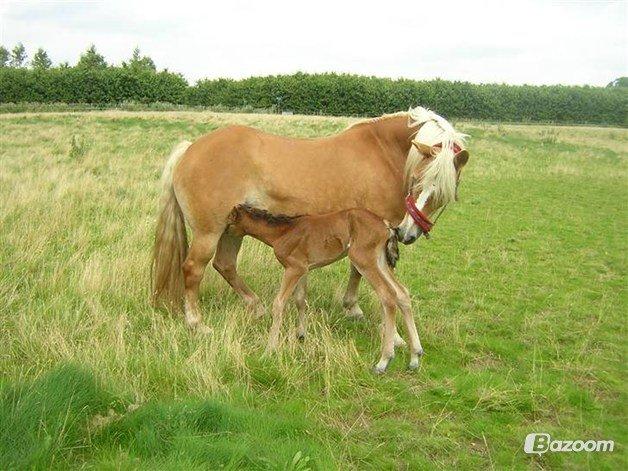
<point>256,310</point>
<point>300,337</point>
<point>355,313</point>
<point>203,329</point>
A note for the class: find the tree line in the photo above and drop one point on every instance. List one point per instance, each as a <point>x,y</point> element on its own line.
<point>90,59</point>
<point>92,80</point>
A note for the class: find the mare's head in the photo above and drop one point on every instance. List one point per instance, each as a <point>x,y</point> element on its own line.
<point>433,169</point>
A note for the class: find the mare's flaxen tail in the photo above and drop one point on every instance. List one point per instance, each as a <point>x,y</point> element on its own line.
<point>171,244</point>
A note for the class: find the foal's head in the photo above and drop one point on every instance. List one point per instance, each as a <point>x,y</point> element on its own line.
<point>433,172</point>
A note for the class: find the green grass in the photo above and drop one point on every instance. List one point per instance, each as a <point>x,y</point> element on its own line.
<point>520,302</point>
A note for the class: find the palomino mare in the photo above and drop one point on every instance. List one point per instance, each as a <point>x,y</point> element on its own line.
<point>371,165</point>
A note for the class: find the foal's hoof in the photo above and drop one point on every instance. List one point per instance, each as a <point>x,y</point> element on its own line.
<point>415,361</point>
<point>381,367</point>
<point>300,337</point>
<point>379,370</point>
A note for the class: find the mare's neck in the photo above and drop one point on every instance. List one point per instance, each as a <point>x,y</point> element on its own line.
<point>395,136</point>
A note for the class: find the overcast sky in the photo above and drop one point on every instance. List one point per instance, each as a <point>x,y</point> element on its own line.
<point>536,42</point>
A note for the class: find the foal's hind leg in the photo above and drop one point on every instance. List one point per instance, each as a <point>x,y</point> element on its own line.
<point>225,262</point>
<point>201,251</point>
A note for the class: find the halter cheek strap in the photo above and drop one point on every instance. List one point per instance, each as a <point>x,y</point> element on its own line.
<point>418,216</point>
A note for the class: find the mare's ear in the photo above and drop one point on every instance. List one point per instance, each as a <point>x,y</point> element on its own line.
<point>423,148</point>
<point>461,159</point>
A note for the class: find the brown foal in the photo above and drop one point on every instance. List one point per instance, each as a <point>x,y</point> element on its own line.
<point>301,243</point>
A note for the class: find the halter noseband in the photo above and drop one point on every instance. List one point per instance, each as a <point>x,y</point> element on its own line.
<point>419,217</point>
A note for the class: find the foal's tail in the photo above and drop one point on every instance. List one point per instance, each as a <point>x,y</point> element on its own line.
<point>392,246</point>
<point>171,244</point>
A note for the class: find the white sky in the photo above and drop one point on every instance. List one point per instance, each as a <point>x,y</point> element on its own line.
<point>534,42</point>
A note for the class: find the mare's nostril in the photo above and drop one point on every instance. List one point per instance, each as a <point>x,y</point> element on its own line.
<point>409,240</point>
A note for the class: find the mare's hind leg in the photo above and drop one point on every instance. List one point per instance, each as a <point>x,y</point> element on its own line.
<point>350,299</point>
<point>201,251</point>
<point>225,262</point>
<point>300,294</point>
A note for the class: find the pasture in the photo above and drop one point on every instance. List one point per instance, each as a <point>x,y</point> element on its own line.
<point>519,298</point>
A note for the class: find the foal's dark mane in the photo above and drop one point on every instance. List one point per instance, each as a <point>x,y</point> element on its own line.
<point>266,216</point>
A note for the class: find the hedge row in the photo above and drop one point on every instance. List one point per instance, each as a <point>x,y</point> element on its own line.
<point>77,85</point>
<point>356,95</point>
<point>330,94</point>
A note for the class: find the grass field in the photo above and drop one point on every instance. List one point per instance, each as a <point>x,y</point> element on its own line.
<point>519,297</point>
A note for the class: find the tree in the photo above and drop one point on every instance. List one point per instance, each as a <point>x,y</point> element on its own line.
<point>91,59</point>
<point>41,60</point>
<point>137,62</point>
<point>619,82</point>
<point>18,55</point>
<point>4,56</point>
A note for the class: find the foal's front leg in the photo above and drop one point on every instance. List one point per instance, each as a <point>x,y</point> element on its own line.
<point>404,302</point>
<point>291,277</point>
<point>369,267</point>
<point>350,303</point>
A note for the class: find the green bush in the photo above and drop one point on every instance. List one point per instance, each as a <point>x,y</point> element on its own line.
<point>328,94</point>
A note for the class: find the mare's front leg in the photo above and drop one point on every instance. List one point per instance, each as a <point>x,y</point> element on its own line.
<point>350,299</point>
<point>291,277</point>
<point>300,294</point>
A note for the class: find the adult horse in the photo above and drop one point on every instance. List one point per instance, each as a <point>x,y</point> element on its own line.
<point>372,165</point>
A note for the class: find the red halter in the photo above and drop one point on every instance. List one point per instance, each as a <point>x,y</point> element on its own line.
<point>456,148</point>
<point>419,217</point>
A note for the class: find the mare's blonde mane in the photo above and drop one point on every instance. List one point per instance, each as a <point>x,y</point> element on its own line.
<point>432,129</point>
<point>378,118</point>
<point>440,173</point>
